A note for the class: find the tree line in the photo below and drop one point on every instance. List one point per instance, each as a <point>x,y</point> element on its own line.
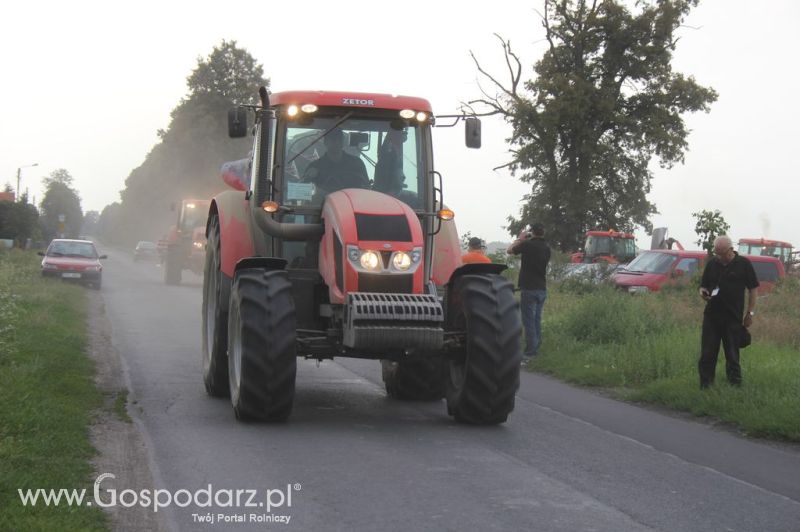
<point>59,214</point>
<point>186,161</point>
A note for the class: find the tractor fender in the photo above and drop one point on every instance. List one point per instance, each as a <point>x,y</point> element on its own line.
<point>451,304</point>
<point>235,236</point>
<point>262,263</point>
<point>446,253</point>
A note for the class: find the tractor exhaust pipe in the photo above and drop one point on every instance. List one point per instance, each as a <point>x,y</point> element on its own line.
<point>287,231</point>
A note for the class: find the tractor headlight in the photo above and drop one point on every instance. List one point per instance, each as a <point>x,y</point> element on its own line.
<point>370,260</point>
<point>353,253</point>
<point>197,245</point>
<point>401,260</point>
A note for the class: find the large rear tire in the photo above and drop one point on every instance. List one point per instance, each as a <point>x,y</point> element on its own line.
<point>262,362</point>
<point>483,376</point>
<point>215,319</point>
<point>421,379</point>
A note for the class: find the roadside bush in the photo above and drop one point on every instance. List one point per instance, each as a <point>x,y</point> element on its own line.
<point>608,316</point>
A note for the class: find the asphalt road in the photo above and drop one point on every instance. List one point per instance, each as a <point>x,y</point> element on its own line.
<point>354,460</point>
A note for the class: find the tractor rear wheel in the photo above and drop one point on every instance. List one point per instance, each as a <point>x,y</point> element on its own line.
<point>420,379</point>
<point>261,345</point>
<point>483,375</point>
<point>215,319</point>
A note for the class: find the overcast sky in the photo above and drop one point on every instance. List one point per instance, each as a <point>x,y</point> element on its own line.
<point>86,85</point>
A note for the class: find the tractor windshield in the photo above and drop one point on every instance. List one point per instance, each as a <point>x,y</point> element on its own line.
<point>381,154</point>
<point>597,245</point>
<point>624,249</point>
<point>194,215</point>
<point>621,249</point>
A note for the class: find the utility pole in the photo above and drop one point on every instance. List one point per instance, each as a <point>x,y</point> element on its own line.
<point>18,176</point>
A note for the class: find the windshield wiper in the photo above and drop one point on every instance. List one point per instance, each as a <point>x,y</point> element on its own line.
<point>324,134</point>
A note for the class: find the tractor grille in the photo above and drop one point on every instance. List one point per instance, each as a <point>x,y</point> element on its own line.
<point>385,228</point>
<point>388,284</point>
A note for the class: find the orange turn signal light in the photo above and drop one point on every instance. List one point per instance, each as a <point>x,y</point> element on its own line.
<point>270,206</point>
<point>445,214</point>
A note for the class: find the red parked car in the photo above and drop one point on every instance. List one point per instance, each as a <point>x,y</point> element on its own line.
<point>655,268</point>
<point>73,260</point>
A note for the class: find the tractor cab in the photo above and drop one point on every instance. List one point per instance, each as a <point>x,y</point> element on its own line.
<point>607,246</point>
<point>192,214</point>
<point>769,248</point>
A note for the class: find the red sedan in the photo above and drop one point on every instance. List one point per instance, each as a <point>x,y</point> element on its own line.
<point>73,260</point>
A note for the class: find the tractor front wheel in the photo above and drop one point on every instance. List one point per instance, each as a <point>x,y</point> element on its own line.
<point>261,345</point>
<point>215,319</point>
<point>483,374</point>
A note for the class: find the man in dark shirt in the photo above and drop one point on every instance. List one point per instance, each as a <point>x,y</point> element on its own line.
<point>337,169</point>
<point>532,284</point>
<point>725,279</point>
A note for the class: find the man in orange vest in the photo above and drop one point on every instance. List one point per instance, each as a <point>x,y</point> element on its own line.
<point>475,252</point>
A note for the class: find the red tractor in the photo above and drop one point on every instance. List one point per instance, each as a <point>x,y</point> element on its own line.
<point>311,258</point>
<point>609,246</point>
<point>184,246</point>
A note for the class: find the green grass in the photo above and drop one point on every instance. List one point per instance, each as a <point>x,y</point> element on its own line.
<point>120,406</point>
<point>645,348</point>
<point>47,397</point>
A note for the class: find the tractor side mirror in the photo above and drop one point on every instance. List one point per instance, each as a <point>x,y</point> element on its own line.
<point>237,122</point>
<point>472,131</point>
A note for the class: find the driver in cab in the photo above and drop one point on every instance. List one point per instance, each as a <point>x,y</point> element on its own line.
<point>337,169</point>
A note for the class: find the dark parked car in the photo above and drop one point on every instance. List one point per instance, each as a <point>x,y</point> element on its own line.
<point>145,251</point>
<point>73,260</point>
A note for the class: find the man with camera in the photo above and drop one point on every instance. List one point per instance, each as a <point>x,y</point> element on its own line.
<point>725,279</point>
<point>535,255</point>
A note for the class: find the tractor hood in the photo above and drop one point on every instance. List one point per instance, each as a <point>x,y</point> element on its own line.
<point>358,221</point>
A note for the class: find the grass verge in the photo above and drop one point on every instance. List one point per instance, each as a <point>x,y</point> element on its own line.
<point>646,349</point>
<point>47,397</point>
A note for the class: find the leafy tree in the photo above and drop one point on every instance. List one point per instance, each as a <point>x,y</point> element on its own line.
<point>603,103</point>
<point>108,222</point>
<point>710,225</point>
<point>229,72</point>
<point>60,199</point>
<point>186,161</point>
<point>19,220</point>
